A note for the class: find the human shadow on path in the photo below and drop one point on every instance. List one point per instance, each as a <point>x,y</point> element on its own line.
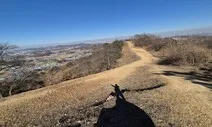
<point>123,114</point>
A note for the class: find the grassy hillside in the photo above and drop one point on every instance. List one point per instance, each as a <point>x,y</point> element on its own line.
<point>110,56</point>
<point>105,57</point>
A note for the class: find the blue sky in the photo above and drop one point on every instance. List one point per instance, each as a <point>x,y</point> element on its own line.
<point>34,22</point>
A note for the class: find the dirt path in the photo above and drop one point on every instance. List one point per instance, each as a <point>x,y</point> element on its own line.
<point>190,104</point>
<point>30,107</point>
<point>27,106</point>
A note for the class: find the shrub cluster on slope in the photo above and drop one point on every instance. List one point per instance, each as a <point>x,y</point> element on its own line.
<point>183,50</point>
<point>101,60</point>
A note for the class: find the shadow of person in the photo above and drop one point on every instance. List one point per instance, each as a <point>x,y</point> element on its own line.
<point>118,92</point>
<point>123,114</point>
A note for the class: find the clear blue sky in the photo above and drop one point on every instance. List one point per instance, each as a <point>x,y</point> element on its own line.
<point>30,22</point>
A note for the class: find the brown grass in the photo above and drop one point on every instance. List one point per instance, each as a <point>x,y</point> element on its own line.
<point>152,42</point>
<point>186,54</point>
<point>178,103</point>
<point>92,64</point>
<point>102,59</point>
<point>128,56</point>
<point>191,50</point>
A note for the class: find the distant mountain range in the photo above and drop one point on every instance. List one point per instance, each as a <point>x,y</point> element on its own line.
<point>195,31</point>
<point>94,41</point>
<point>104,40</point>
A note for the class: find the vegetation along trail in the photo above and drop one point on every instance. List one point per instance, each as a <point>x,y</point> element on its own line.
<point>185,97</point>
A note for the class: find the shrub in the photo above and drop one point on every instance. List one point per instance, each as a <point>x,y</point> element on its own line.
<point>186,50</point>
<point>152,42</point>
<point>20,81</point>
<point>144,40</point>
<point>186,54</point>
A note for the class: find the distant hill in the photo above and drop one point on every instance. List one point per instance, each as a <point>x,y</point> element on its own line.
<point>74,43</point>
<point>195,31</point>
<point>104,40</point>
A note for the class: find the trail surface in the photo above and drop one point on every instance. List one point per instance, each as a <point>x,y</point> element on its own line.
<point>30,107</point>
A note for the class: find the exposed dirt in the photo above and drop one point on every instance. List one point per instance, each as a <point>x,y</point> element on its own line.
<point>177,102</point>
<point>128,56</point>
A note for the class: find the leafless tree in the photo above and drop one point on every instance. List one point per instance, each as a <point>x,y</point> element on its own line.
<point>112,52</point>
<point>107,54</point>
<point>17,78</point>
<point>1,95</point>
<point>5,59</point>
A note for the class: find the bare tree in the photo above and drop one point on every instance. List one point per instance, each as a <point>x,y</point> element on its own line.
<point>16,75</point>
<point>17,78</point>
<point>112,51</point>
<point>107,56</point>
<point>5,59</point>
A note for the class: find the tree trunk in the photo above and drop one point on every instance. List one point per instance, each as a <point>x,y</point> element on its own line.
<point>11,88</point>
<point>108,61</point>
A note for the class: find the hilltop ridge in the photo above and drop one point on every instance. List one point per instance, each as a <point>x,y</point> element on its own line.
<point>174,103</point>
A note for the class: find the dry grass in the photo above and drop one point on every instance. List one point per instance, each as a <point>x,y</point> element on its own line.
<point>128,56</point>
<point>178,103</point>
<point>166,105</point>
<point>186,54</point>
<point>175,104</point>
<point>189,50</point>
<point>91,65</point>
<point>152,42</point>
<point>101,60</point>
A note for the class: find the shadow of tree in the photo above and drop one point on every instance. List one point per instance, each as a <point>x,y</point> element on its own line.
<point>203,77</point>
<point>123,114</point>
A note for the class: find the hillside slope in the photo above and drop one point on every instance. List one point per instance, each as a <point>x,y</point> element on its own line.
<point>179,102</point>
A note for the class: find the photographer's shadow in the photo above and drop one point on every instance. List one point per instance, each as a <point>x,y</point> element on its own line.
<point>123,114</point>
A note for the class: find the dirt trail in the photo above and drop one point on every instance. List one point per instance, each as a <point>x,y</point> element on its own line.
<point>25,108</point>
<point>108,77</point>
<point>73,92</point>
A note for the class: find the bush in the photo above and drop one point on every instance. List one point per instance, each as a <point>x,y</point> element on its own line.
<point>186,50</point>
<point>186,54</point>
<point>20,81</point>
<point>200,40</point>
<point>152,42</point>
<point>144,40</point>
